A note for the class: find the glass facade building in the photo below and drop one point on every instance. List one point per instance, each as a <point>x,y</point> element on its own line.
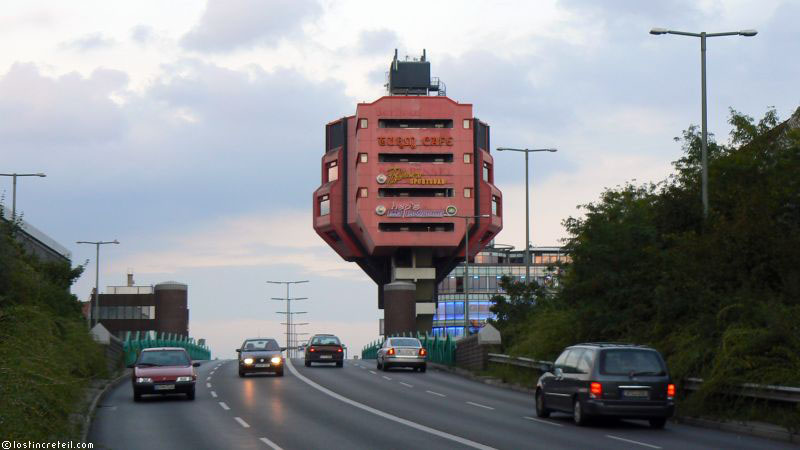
<point>490,265</point>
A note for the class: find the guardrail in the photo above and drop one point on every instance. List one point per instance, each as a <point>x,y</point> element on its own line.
<point>133,344</point>
<point>785,394</point>
<point>441,350</point>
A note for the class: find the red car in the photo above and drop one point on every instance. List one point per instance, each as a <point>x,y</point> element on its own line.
<point>167,370</point>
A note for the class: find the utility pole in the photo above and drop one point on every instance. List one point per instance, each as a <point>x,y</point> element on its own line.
<point>290,350</point>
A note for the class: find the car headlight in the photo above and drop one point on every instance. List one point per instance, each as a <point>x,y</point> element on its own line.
<point>179,379</point>
<point>275,360</point>
<point>248,360</point>
<point>144,380</point>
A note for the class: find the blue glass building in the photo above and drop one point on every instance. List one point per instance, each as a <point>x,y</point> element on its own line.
<point>485,272</point>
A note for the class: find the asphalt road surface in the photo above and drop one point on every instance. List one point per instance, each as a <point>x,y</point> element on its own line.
<point>359,407</point>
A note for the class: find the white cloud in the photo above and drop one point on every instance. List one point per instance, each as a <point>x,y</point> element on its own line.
<point>280,238</point>
<point>89,42</point>
<point>230,24</point>
<point>557,198</point>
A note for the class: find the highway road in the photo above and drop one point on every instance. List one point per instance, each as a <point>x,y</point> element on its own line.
<point>358,407</point>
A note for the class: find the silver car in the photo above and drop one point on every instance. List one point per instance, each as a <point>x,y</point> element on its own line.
<point>402,352</point>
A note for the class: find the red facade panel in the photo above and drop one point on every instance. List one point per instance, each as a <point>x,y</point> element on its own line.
<point>404,166</point>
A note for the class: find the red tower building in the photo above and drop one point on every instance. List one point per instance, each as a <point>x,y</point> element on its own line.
<point>395,176</point>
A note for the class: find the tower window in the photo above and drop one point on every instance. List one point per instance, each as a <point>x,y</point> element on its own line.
<point>333,171</point>
<point>324,205</point>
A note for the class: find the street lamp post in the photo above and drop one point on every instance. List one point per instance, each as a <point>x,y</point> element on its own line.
<point>704,125</point>
<point>14,188</point>
<point>466,267</point>
<point>289,313</point>
<point>96,313</point>
<point>527,204</point>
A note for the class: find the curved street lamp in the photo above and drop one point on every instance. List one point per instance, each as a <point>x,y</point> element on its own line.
<point>704,137</point>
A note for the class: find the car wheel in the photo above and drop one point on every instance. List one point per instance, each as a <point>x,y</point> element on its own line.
<point>190,395</point>
<point>241,374</point>
<point>137,397</point>
<point>658,423</point>
<point>340,364</point>
<point>541,411</point>
<point>578,415</point>
<point>378,365</point>
<point>423,368</point>
<point>308,363</point>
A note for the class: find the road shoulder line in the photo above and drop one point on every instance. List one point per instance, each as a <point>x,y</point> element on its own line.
<point>386,415</point>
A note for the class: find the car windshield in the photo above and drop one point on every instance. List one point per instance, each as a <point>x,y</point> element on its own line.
<point>325,340</point>
<point>260,345</point>
<point>406,342</point>
<point>164,358</point>
<point>631,361</point>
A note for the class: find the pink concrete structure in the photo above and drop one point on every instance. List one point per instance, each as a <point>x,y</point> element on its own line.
<point>393,177</point>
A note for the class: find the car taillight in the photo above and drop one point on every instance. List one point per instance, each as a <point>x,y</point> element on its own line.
<point>670,391</point>
<point>390,351</point>
<point>595,390</point>
<point>339,350</point>
<point>312,349</point>
<point>422,352</point>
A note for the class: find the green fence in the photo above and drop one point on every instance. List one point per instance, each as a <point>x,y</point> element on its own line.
<point>134,343</point>
<point>440,349</point>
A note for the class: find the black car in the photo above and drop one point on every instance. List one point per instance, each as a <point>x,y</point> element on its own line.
<point>324,348</point>
<point>260,355</point>
<point>607,379</point>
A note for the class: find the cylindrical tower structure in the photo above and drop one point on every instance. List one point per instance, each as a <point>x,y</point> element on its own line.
<point>172,311</point>
<point>394,176</point>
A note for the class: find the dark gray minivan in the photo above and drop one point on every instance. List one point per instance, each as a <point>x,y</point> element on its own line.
<point>607,379</point>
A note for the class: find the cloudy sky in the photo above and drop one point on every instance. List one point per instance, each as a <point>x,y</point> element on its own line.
<point>192,130</point>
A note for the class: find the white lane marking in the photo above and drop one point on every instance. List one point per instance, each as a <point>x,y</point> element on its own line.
<point>208,378</point>
<point>387,378</point>
<point>362,367</point>
<point>213,394</point>
<point>372,372</point>
<point>208,385</point>
<point>632,442</point>
<point>273,445</point>
<point>224,406</point>
<point>385,415</point>
<point>543,421</point>
<point>406,384</point>
<point>436,393</point>
<point>241,422</point>
<point>479,405</point>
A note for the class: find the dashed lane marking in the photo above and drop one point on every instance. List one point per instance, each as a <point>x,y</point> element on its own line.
<point>373,372</point>
<point>242,422</point>
<point>213,394</point>
<point>208,385</point>
<point>479,405</point>
<point>436,393</point>
<point>543,421</point>
<point>387,378</point>
<point>273,445</point>
<point>224,406</point>
<point>632,442</point>
<point>406,384</point>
